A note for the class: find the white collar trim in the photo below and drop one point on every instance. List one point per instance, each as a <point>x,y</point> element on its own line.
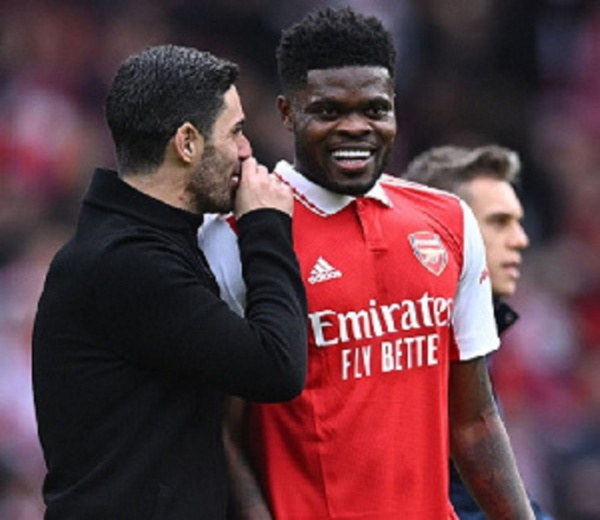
<point>322,199</point>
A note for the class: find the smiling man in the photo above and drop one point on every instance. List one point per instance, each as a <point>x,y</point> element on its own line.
<point>343,136</point>
<point>400,313</point>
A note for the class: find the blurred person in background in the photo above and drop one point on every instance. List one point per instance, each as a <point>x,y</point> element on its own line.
<point>133,350</point>
<point>389,391</point>
<point>485,178</point>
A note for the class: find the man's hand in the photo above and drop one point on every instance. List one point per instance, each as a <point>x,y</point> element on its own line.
<point>257,189</point>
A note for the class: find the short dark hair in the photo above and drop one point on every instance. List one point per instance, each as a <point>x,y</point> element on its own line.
<point>154,92</point>
<point>330,38</point>
<point>449,167</point>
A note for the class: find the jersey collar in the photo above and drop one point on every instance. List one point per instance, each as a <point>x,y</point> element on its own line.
<point>326,201</point>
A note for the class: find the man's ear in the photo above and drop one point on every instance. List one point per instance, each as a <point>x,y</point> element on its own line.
<point>286,112</point>
<point>189,143</point>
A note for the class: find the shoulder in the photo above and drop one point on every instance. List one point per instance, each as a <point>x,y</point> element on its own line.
<point>140,254</point>
<point>412,194</point>
<point>397,185</point>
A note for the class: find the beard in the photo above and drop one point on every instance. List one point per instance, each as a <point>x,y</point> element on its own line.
<point>210,185</point>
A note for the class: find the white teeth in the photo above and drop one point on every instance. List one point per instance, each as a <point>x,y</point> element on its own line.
<point>351,154</point>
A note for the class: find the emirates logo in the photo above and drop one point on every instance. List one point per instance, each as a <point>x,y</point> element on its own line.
<point>429,250</point>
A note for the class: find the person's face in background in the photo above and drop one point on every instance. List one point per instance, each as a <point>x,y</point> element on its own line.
<point>213,182</point>
<point>499,214</point>
<point>344,126</point>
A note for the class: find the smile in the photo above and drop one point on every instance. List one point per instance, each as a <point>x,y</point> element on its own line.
<point>352,155</point>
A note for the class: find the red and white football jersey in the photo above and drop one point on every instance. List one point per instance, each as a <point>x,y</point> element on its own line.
<point>397,287</point>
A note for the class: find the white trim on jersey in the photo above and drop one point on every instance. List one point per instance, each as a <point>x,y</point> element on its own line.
<point>319,199</point>
<point>473,319</point>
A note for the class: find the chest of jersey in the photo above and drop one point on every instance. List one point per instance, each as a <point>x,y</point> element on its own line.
<point>380,282</point>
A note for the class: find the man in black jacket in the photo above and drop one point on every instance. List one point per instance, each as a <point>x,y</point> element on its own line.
<point>485,177</point>
<point>133,350</point>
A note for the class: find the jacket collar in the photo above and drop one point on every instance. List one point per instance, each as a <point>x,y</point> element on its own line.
<point>505,315</point>
<point>321,199</point>
<point>108,191</point>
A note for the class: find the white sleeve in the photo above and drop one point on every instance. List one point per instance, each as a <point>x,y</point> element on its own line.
<point>218,242</point>
<point>473,319</point>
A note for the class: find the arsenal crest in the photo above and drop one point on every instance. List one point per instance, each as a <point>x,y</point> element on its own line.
<point>430,250</point>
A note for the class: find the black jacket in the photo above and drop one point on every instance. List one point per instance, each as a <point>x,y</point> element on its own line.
<point>133,351</point>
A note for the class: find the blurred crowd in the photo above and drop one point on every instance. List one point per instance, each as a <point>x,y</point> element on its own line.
<point>523,74</point>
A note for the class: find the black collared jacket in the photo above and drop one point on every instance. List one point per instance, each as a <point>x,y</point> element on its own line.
<point>504,314</point>
<point>133,351</point>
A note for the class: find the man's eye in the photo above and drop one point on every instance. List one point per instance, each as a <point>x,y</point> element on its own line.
<point>378,112</point>
<point>500,222</point>
<point>328,112</point>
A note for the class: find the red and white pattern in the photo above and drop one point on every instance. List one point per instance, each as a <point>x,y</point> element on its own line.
<point>368,437</point>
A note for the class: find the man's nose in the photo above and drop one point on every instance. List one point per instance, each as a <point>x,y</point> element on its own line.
<point>354,123</point>
<point>520,240</point>
<point>244,147</point>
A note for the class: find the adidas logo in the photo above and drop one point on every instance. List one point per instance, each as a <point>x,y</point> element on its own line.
<point>323,271</point>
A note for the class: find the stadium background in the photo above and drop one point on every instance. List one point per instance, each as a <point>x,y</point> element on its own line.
<point>525,74</point>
